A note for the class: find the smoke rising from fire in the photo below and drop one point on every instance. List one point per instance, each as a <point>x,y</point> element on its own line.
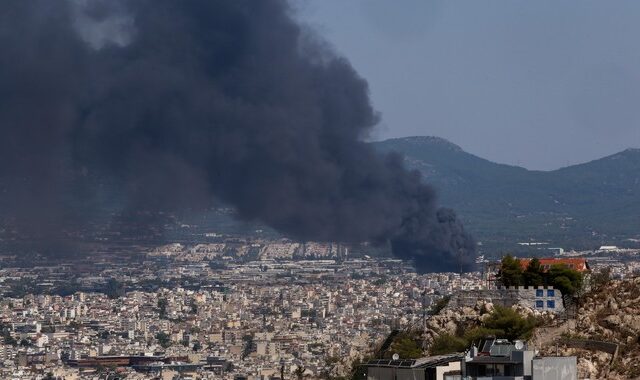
<point>164,104</point>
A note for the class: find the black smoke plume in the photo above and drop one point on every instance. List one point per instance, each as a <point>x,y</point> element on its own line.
<point>164,104</point>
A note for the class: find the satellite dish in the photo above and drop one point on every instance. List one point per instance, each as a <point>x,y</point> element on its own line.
<point>519,345</point>
<point>395,357</point>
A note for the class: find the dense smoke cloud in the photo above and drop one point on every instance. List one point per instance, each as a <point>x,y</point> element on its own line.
<point>164,104</point>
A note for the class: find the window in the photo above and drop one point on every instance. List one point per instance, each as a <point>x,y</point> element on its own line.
<point>551,293</point>
<point>539,292</point>
<point>539,304</point>
<point>551,304</point>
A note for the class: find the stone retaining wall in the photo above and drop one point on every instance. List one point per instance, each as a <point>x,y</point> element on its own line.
<point>539,298</point>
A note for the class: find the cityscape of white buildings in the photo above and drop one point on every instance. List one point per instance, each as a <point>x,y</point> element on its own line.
<point>198,312</point>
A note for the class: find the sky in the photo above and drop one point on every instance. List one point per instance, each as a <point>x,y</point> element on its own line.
<point>541,84</point>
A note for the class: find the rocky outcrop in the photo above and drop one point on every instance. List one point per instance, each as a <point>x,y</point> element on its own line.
<point>611,315</point>
<point>452,320</point>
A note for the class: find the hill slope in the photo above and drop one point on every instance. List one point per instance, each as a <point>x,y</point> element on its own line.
<point>579,206</point>
<point>609,314</point>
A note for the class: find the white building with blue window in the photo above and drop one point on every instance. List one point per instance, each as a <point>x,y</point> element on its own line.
<point>549,299</point>
<point>539,298</point>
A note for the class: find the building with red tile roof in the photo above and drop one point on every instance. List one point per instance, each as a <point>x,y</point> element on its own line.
<point>578,264</point>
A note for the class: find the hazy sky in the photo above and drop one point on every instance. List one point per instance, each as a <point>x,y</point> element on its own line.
<point>542,83</point>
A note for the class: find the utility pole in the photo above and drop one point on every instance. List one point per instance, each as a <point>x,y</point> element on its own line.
<point>424,319</point>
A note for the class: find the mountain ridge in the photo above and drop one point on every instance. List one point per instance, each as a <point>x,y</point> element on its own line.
<point>578,206</point>
<point>442,140</point>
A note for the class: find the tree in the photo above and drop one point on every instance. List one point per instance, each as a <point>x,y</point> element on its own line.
<point>163,339</point>
<point>197,346</point>
<point>162,307</point>
<point>405,346</point>
<point>507,323</point>
<point>247,345</point>
<point>448,344</point>
<point>476,334</point>
<point>534,275</point>
<point>510,273</point>
<point>560,276</point>
<point>567,280</point>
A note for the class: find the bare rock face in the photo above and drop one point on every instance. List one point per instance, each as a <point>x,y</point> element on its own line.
<point>448,320</point>
<point>612,321</point>
<point>451,319</point>
<point>612,304</point>
<point>589,370</point>
<point>610,315</point>
<point>468,311</point>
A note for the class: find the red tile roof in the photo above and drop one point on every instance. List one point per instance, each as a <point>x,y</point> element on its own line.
<point>578,264</point>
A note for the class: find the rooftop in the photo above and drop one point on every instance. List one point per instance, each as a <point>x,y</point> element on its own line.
<point>424,362</point>
<point>578,264</point>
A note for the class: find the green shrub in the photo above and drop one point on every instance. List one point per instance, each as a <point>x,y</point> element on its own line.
<point>503,323</point>
<point>448,344</point>
<point>510,273</point>
<point>475,334</point>
<point>405,346</point>
<point>508,324</point>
